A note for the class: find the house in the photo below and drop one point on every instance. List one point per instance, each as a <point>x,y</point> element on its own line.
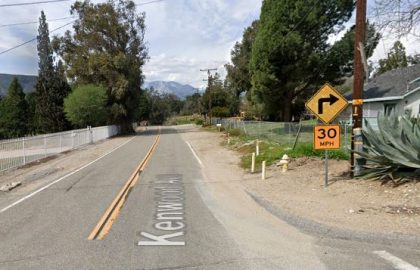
<point>393,91</point>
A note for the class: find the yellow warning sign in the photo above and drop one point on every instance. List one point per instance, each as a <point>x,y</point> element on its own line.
<point>327,103</point>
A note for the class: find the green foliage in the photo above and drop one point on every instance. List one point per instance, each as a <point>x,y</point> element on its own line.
<point>199,122</point>
<point>397,58</point>
<point>217,97</point>
<point>13,112</point>
<point>51,87</point>
<point>33,121</point>
<point>290,54</point>
<point>86,106</point>
<point>220,112</point>
<point>393,151</point>
<point>271,152</point>
<point>238,79</point>
<point>341,54</point>
<point>184,120</point>
<point>192,105</point>
<point>160,107</point>
<point>107,48</point>
<point>235,132</point>
<point>307,150</point>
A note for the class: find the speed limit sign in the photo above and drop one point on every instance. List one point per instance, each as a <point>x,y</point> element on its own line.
<point>327,137</point>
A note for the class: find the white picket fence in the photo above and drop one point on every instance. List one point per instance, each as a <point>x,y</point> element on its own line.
<point>21,151</point>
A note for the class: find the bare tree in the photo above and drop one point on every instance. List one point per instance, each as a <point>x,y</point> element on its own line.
<point>400,17</point>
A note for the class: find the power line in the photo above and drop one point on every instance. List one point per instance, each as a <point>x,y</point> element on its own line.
<point>55,29</point>
<point>32,3</point>
<point>150,2</point>
<point>33,39</point>
<point>35,22</point>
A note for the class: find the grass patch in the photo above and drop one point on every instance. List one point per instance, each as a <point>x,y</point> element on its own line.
<point>306,150</point>
<point>268,151</point>
<point>273,152</point>
<point>183,120</point>
<point>272,148</point>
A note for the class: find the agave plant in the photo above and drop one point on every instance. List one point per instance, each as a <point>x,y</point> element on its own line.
<point>393,151</point>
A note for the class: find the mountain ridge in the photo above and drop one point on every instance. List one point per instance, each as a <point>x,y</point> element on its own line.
<point>165,87</point>
<point>27,81</point>
<point>171,87</point>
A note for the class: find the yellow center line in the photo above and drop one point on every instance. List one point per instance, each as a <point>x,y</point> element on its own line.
<point>112,212</point>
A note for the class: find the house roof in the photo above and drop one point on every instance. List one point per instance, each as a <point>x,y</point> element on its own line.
<point>391,84</point>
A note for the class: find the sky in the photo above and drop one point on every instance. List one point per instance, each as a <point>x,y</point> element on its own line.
<point>183,36</point>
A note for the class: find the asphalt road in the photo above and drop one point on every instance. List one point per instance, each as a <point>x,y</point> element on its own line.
<point>169,221</point>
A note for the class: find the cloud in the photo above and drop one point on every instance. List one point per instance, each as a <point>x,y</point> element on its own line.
<point>183,70</point>
<point>24,60</point>
<point>193,35</point>
<point>183,36</point>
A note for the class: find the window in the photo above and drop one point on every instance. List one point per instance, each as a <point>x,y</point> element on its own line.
<point>389,107</point>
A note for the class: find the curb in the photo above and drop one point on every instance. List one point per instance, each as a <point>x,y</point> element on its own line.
<point>319,229</point>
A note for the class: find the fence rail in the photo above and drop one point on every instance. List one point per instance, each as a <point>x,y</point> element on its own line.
<point>284,133</point>
<point>21,151</point>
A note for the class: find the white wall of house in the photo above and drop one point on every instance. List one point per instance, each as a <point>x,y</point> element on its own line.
<point>371,109</point>
<point>412,102</point>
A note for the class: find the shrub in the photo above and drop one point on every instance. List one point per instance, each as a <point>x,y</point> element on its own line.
<point>393,150</point>
<point>86,106</point>
<point>306,150</point>
<point>220,111</point>
<point>235,132</point>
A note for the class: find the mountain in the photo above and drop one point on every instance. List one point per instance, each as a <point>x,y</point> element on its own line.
<point>27,81</point>
<point>180,90</point>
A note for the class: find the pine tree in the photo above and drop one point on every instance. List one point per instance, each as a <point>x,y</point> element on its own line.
<point>32,116</point>
<point>290,52</point>
<point>397,58</point>
<point>13,112</point>
<point>51,87</point>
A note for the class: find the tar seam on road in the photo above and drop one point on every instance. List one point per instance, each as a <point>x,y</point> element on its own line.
<point>62,178</point>
<point>195,155</point>
<point>396,262</point>
<point>112,212</point>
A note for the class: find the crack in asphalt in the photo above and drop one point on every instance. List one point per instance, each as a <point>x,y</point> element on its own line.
<point>181,267</point>
<point>29,258</point>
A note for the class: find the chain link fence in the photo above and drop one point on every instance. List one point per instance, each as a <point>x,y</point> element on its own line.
<point>287,134</point>
<point>21,151</point>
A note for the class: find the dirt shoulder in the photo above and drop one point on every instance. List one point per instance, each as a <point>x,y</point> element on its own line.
<point>357,205</point>
<point>37,174</point>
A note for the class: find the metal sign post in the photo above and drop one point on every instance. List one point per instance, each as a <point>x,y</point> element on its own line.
<point>326,169</point>
<point>327,137</point>
<point>327,104</point>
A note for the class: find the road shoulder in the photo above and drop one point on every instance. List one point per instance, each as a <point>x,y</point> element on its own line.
<point>371,216</point>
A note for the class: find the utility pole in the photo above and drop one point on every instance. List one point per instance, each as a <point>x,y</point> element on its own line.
<point>209,80</point>
<point>357,104</point>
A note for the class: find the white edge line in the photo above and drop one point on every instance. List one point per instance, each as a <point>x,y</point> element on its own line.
<point>396,262</point>
<point>195,154</point>
<point>62,178</point>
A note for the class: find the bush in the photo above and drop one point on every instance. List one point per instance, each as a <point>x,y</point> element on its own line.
<point>220,111</point>
<point>235,132</point>
<point>199,122</point>
<point>306,150</point>
<point>86,106</point>
<point>393,150</point>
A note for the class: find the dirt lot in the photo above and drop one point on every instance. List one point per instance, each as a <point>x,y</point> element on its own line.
<point>360,205</point>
